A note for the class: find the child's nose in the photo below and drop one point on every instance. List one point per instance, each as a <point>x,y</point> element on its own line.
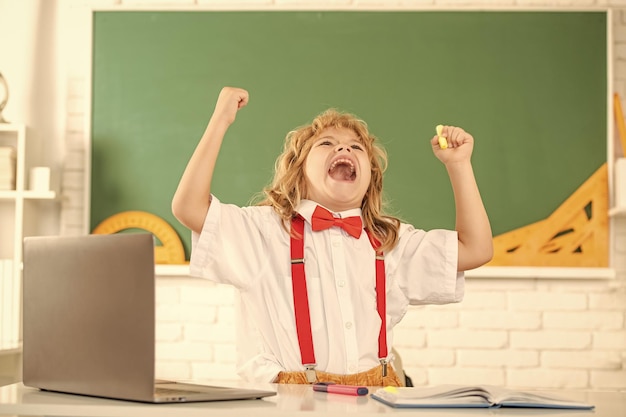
<point>341,148</point>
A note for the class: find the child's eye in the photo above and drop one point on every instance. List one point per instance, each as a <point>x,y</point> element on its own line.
<point>326,142</point>
<point>357,147</point>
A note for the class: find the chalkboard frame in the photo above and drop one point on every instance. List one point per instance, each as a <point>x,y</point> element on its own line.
<point>445,194</point>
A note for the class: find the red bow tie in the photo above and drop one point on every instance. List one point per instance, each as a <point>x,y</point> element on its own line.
<point>322,219</point>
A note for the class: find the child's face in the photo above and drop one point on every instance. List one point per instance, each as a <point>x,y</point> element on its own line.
<point>337,170</point>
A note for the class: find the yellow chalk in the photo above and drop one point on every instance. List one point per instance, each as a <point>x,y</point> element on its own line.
<point>390,389</point>
<point>443,143</point>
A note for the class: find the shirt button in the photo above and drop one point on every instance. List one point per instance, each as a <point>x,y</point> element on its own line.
<point>336,244</point>
<point>348,325</point>
<point>341,283</point>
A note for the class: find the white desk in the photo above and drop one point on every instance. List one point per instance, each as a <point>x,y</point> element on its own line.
<point>292,400</point>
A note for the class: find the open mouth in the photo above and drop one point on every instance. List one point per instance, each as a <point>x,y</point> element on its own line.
<point>342,169</point>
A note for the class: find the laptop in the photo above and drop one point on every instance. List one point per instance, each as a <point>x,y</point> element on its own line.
<point>89,321</point>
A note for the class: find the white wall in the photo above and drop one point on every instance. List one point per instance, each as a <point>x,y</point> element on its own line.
<point>31,65</point>
<point>511,331</point>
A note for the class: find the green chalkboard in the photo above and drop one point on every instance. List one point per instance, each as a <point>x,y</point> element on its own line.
<point>530,86</point>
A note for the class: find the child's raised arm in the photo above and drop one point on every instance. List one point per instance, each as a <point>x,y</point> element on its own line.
<point>472,223</point>
<point>193,196</point>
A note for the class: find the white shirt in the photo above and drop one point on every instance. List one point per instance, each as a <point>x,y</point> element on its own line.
<point>248,248</point>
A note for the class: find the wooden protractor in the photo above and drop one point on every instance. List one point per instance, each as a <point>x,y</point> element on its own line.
<point>171,250</point>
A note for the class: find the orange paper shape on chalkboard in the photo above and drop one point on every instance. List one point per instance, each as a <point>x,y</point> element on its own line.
<point>171,250</point>
<point>575,234</point>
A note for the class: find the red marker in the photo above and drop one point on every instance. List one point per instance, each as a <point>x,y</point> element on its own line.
<point>333,388</point>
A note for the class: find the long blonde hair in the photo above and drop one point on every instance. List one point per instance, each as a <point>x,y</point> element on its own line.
<point>289,184</point>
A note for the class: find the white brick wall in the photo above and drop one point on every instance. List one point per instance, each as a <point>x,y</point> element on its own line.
<point>515,332</point>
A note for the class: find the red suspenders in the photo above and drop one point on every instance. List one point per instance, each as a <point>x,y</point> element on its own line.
<point>301,300</point>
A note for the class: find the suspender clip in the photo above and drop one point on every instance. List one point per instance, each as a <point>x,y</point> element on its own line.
<point>309,371</point>
<point>383,362</point>
<point>297,261</point>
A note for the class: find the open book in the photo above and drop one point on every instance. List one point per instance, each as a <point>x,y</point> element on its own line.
<point>458,396</point>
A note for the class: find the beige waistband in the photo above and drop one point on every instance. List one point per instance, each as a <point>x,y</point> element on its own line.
<point>372,378</point>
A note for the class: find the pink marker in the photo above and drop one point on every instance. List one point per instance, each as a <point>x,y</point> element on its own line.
<point>332,388</point>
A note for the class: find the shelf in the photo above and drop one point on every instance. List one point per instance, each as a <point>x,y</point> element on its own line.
<point>492,272</point>
<point>163,270</point>
<point>11,127</point>
<point>541,272</point>
<point>27,195</point>
<point>617,212</point>
<point>10,350</point>
<point>23,214</point>
<point>40,195</point>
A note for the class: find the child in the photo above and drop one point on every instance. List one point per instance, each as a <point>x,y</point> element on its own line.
<point>323,274</point>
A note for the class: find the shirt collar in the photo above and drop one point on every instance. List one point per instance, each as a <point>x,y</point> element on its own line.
<point>306,208</point>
